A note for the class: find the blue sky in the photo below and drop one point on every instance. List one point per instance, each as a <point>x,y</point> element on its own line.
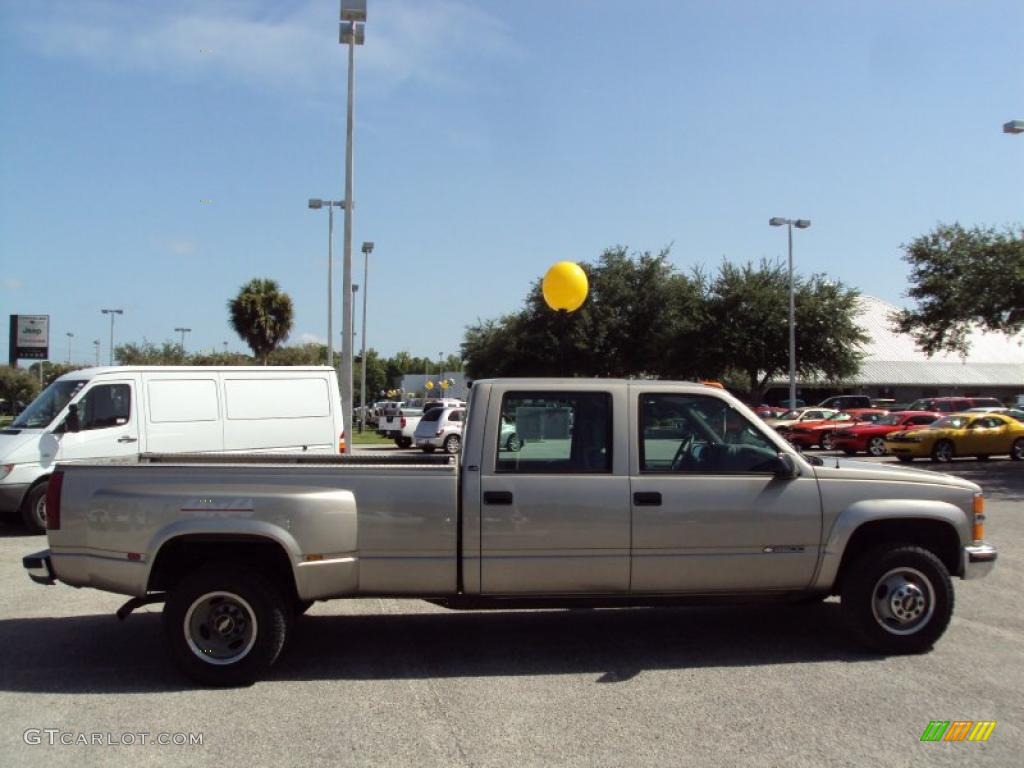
<point>492,140</point>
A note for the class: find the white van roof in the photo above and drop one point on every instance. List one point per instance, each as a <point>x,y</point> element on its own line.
<point>88,373</point>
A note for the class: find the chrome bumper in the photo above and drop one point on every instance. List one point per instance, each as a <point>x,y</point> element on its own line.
<point>979,559</point>
<point>39,567</point>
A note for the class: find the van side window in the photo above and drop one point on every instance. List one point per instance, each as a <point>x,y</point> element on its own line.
<point>106,405</point>
<point>555,433</point>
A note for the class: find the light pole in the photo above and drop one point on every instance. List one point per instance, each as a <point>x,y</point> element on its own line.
<point>112,312</point>
<point>352,33</point>
<point>70,336</point>
<point>96,344</point>
<point>367,250</point>
<point>316,203</point>
<point>777,221</point>
<point>183,331</point>
<point>1014,126</point>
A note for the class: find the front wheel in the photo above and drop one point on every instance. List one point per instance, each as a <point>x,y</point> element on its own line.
<point>876,446</point>
<point>898,598</point>
<point>225,625</point>
<point>33,508</point>
<point>943,451</point>
<point>514,443</point>
<point>452,443</point>
<point>827,441</point>
<point>403,442</point>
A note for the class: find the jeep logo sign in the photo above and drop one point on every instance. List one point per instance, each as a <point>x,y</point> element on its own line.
<point>30,337</point>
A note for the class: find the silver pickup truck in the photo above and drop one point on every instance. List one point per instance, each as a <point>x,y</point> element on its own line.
<point>618,493</point>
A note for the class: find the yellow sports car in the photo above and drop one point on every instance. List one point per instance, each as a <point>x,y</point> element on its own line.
<point>960,434</point>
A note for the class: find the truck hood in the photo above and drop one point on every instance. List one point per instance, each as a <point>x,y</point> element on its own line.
<point>851,469</point>
<point>20,448</point>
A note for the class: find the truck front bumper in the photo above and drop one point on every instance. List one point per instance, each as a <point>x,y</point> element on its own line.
<point>979,559</point>
<point>39,567</point>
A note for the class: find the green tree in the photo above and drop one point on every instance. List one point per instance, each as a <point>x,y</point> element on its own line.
<point>261,315</point>
<point>376,375</point>
<point>148,353</point>
<point>962,278</point>
<point>51,371</point>
<point>309,353</point>
<point>747,326</point>
<point>637,309</point>
<point>18,388</point>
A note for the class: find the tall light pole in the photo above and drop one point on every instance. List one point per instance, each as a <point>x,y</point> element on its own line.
<point>96,344</point>
<point>112,312</point>
<point>183,331</point>
<point>70,336</point>
<point>352,33</point>
<point>367,250</point>
<point>777,221</point>
<point>316,203</point>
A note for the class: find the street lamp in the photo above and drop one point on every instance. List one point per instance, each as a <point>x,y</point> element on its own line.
<point>183,331</point>
<point>112,312</point>
<point>96,344</point>
<point>1014,126</point>
<point>316,204</point>
<point>777,221</point>
<point>70,336</point>
<point>367,250</point>
<point>351,33</point>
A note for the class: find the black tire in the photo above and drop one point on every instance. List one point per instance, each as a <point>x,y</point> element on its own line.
<point>514,443</point>
<point>898,598</point>
<point>943,451</point>
<point>1017,449</point>
<point>452,443</point>
<point>254,625</point>
<point>33,508</point>
<point>428,448</point>
<point>905,459</point>
<point>827,443</point>
<point>403,442</point>
<point>876,446</point>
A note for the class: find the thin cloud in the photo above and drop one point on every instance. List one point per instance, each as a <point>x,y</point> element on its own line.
<point>311,338</point>
<point>256,44</point>
<point>180,247</point>
<point>12,284</point>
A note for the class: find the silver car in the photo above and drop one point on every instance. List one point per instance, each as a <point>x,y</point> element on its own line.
<point>440,428</point>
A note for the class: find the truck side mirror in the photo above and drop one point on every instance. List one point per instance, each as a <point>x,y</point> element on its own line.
<point>783,466</point>
<point>71,423</point>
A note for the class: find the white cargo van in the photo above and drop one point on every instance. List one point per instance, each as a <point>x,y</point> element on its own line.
<point>120,412</point>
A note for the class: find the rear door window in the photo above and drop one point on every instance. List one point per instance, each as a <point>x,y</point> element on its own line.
<point>559,433</point>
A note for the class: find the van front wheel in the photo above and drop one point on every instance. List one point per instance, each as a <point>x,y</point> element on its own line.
<point>33,508</point>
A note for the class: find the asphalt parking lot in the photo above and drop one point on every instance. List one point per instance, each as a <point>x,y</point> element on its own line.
<point>400,682</point>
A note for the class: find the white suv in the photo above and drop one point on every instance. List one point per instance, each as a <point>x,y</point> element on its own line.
<point>440,428</point>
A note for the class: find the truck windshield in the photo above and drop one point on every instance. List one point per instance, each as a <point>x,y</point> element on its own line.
<point>48,404</point>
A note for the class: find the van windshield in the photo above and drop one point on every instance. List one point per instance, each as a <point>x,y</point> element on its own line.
<point>48,404</point>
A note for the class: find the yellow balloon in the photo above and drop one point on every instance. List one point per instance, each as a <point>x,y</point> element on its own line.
<point>430,385</point>
<point>565,286</point>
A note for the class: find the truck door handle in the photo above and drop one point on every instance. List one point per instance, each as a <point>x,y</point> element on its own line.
<point>647,499</point>
<point>497,497</point>
<point>126,439</point>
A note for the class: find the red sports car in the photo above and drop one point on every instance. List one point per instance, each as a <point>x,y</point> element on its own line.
<point>808,434</point>
<point>871,437</point>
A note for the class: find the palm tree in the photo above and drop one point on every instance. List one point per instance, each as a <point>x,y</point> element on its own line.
<point>261,315</point>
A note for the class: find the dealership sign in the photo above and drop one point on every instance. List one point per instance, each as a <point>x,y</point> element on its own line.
<point>30,337</point>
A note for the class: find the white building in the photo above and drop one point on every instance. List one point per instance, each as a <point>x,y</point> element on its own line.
<point>893,366</point>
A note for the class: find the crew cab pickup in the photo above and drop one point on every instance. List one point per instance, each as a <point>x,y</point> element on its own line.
<point>616,493</point>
